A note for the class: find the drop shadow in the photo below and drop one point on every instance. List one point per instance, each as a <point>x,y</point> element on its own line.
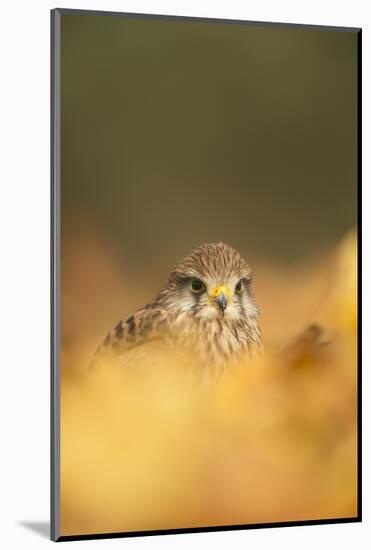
<point>42,528</point>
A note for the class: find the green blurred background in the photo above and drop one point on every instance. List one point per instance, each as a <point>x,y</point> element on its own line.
<point>176,133</point>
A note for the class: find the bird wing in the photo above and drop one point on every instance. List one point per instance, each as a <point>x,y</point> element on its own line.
<point>147,324</point>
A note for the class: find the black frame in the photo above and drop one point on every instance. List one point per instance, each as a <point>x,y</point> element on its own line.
<point>55,127</point>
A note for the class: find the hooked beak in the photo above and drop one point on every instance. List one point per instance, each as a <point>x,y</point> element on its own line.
<point>220,296</point>
<point>221,300</point>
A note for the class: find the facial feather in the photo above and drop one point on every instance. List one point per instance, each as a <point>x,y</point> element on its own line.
<point>196,318</point>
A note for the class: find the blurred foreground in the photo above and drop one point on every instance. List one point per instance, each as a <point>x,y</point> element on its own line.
<point>274,440</point>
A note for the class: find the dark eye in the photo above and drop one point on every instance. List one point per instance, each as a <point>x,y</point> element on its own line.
<point>238,288</point>
<point>197,286</point>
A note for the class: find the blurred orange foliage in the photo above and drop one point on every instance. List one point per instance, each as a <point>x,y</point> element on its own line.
<point>273,440</point>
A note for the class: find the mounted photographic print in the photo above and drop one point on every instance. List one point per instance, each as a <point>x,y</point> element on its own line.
<point>205,335</point>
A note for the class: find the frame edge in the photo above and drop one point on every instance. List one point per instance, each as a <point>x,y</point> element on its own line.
<point>55,72</point>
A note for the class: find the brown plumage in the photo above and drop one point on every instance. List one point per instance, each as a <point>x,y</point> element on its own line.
<point>206,307</point>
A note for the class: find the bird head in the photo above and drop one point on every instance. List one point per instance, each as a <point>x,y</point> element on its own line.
<point>213,282</point>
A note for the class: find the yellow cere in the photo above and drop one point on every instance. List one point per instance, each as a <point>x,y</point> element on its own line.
<point>219,289</point>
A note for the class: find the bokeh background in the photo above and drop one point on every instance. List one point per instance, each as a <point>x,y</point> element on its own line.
<point>176,133</point>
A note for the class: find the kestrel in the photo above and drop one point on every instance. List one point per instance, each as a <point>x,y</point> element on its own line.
<point>206,307</point>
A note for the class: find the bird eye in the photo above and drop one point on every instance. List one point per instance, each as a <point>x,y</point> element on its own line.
<point>238,288</point>
<point>197,286</point>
